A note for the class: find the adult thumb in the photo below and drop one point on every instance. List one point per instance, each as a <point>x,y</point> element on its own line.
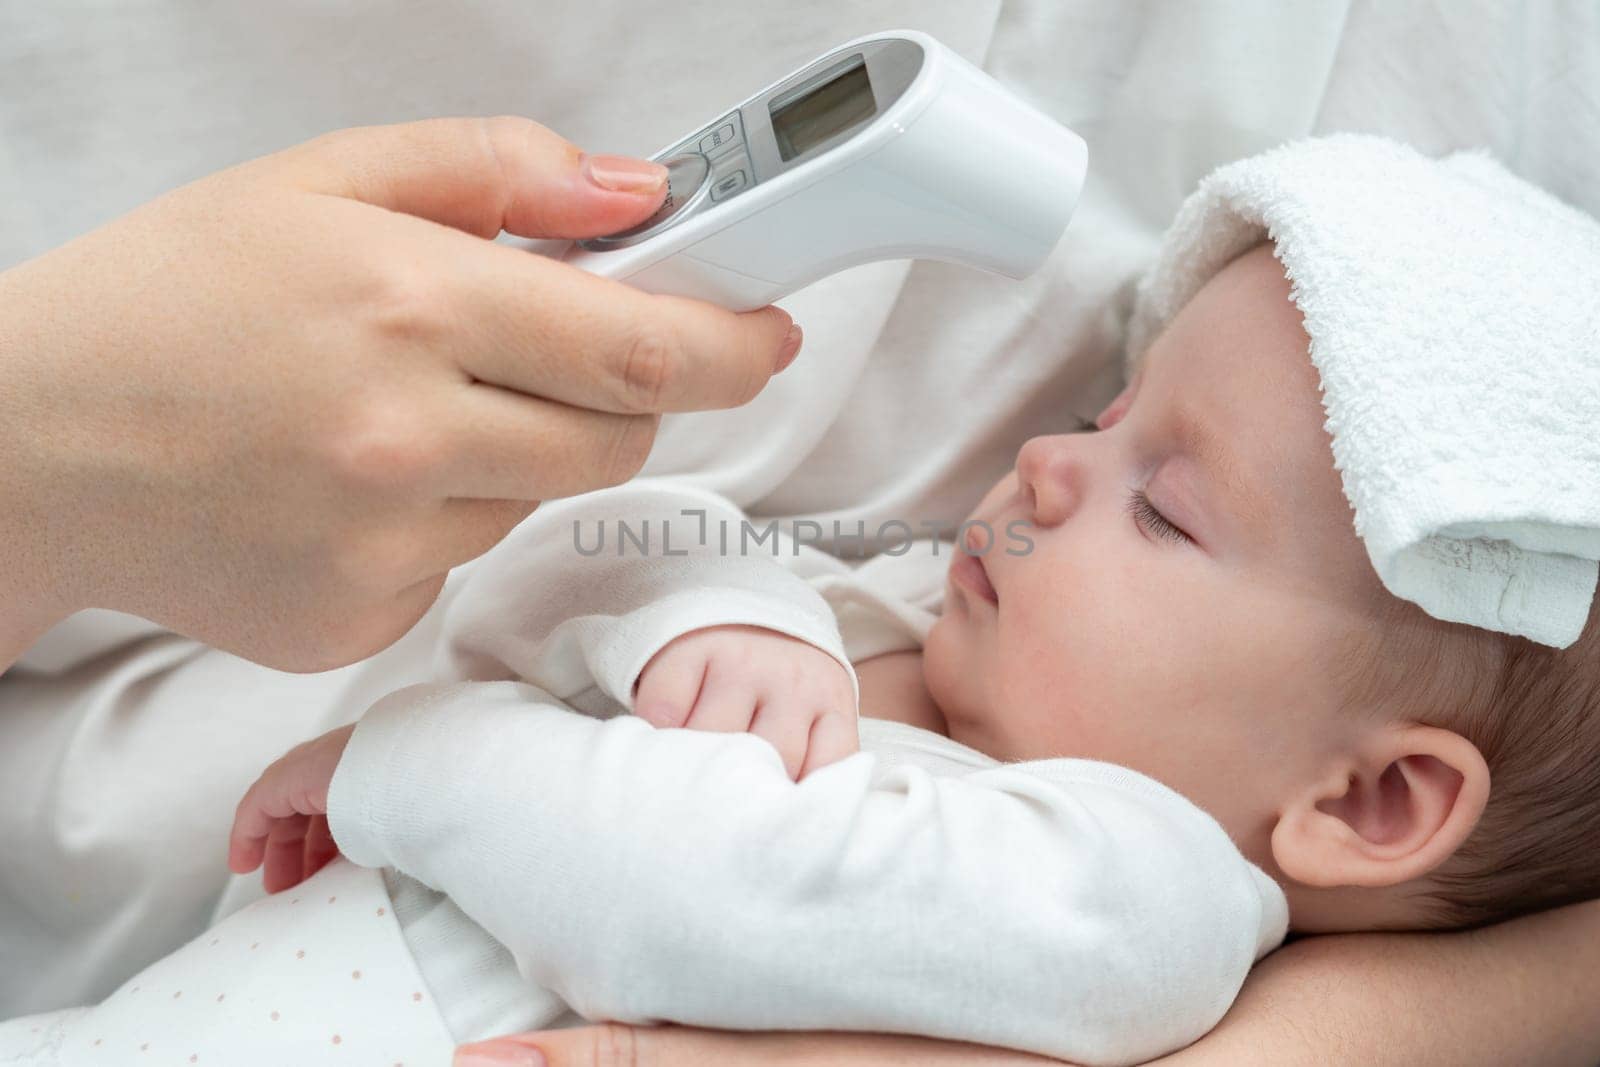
<point>481,175</point>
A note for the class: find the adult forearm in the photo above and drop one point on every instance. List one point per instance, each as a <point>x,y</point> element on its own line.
<point>1520,992</point>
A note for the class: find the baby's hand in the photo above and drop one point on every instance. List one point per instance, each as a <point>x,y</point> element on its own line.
<point>738,678</point>
<point>283,817</point>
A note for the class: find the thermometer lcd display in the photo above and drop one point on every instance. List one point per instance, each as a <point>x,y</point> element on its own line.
<point>843,101</point>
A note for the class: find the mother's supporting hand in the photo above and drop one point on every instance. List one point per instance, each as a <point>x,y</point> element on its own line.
<point>1518,992</point>
<point>615,1045</point>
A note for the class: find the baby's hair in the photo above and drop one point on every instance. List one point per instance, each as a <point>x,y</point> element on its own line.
<point>1534,714</point>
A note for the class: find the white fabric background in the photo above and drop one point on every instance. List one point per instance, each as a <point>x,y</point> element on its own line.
<point>118,775</point>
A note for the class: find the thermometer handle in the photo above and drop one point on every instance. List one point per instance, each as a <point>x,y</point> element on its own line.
<point>683,275</point>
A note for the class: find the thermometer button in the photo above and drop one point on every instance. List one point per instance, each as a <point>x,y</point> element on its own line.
<point>728,184</point>
<point>686,186</point>
<point>718,139</point>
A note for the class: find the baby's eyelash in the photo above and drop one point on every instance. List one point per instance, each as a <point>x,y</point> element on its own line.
<point>1145,514</point>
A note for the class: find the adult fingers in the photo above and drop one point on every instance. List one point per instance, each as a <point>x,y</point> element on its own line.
<point>536,326</point>
<point>407,557</point>
<point>480,175</point>
<point>617,1045</point>
<point>467,528</point>
<point>501,444</point>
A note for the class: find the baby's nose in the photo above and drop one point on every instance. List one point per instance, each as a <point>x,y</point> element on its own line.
<point>1051,472</point>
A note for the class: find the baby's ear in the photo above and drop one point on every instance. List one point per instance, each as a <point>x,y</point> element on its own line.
<point>1388,814</point>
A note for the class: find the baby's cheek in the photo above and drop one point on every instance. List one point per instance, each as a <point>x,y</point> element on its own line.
<point>1035,693</point>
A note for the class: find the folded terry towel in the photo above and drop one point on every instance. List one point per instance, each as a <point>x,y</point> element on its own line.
<point>1454,317</point>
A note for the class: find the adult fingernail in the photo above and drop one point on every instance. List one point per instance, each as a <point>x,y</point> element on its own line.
<point>624,174</point>
<point>498,1054</point>
<point>791,346</point>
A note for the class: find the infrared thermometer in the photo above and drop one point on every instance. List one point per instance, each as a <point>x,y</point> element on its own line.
<point>889,147</point>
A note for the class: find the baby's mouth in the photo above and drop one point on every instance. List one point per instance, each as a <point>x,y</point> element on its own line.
<point>968,570</point>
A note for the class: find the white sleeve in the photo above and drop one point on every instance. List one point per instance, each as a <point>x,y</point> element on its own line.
<point>586,590</point>
<point>1064,908</point>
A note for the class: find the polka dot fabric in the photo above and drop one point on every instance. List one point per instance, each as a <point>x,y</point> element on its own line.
<point>318,975</point>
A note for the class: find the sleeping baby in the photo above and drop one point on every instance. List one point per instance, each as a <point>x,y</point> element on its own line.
<point>1152,710</point>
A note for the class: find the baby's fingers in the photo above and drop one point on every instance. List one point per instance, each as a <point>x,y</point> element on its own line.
<point>271,800</point>
<point>247,843</point>
<point>725,704</point>
<point>320,846</point>
<point>786,726</point>
<point>669,688</point>
<point>833,737</point>
<point>286,853</point>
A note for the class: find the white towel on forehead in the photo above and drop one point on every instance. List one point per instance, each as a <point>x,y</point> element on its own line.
<point>1454,317</point>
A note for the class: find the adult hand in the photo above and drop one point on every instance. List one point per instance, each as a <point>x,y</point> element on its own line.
<point>272,409</point>
<point>1517,992</point>
<point>615,1045</point>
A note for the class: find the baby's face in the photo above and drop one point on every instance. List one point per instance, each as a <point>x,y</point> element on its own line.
<point>1194,572</point>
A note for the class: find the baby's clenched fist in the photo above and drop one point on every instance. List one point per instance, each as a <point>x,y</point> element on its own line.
<point>745,678</point>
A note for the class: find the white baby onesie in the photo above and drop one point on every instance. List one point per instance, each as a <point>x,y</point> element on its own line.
<point>1066,907</point>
